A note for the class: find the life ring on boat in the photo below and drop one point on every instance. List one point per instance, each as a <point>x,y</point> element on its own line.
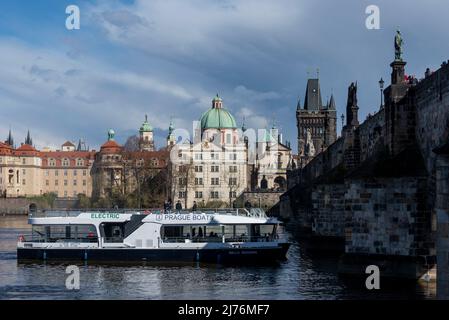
<point>21,238</point>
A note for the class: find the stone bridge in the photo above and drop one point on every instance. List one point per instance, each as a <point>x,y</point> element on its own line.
<point>382,188</point>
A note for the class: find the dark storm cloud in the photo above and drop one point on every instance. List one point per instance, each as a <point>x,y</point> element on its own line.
<point>168,59</point>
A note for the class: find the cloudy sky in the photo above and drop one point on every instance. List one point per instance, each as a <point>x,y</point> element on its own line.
<point>168,58</point>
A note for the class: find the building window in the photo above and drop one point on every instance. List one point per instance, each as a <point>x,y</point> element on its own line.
<point>75,173</point>
<point>84,172</point>
<point>198,156</point>
<point>199,181</point>
<point>232,194</point>
<point>181,194</point>
<point>47,173</point>
<point>228,138</point>
<point>24,161</point>
<point>65,182</point>
<point>215,181</point>
<point>56,182</point>
<point>233,156</point>
<point>198,168</point>
<point>74,183</point>
<point>198,194</point>
<point>79,162</point>
<point>182,181</point>
<point>24,171</point>
<point>65,162</point>
<point>214,168</point>
<point>233,169</point>
<point>84,182</point>
<point>47,183</point>
<point>214,156</point>
<point>66,172</point>
<point>232,181</point>
<point>23,182</point>
<point>56,173</point>
<point>214,194</point>
<point>65,194</point>
<point>52,162</point>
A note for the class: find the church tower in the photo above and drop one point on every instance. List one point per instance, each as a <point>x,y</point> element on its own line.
<point>171,139</point>
<point>316,123</point>
<point>146,140</point>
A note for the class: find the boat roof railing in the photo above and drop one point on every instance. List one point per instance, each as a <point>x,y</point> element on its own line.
<point>243,212</point>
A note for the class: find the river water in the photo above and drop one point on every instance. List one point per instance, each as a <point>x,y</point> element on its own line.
<point>300,277</point>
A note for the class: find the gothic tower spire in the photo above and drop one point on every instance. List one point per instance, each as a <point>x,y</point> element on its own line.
<point>28,139</point>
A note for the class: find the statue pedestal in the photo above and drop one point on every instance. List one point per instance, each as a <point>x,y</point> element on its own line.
<point>398,72</point>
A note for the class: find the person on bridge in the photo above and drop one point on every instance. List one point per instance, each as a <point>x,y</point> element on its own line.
<point>178,206</point>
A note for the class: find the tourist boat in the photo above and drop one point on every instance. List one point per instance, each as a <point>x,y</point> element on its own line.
<point>216,236</point>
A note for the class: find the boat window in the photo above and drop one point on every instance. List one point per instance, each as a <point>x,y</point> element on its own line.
<point>172,232</point>
<point>64,233</point>
<point>192,233</point>
<point>261,232</point>
<point>112,232</point>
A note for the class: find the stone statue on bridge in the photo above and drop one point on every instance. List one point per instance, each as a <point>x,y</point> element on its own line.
<point>309,150</point>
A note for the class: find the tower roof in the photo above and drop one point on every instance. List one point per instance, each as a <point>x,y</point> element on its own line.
<point>146,127</point>
<point>313,95</point>
<point>68,144</point>
<point>332,103</point>
<point>298,106</point>
<point>217,117</point>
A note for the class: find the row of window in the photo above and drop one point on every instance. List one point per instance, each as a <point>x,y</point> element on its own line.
<point>24,161</point>
<point>213,156</point>
<point>213,181</point>
<point>215,168</point>
<point>213,194</point>
<point>65,162</point>
<point>313,131</point>
<point>66,183</point>
<point>65,172</point>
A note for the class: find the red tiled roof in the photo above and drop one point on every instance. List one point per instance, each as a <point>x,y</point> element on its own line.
<point>68,154</point>
<point>72,156</point>
<point>26,150</point>
<point>5,148</point>
<point>110,146</point>
<point>26,147</point>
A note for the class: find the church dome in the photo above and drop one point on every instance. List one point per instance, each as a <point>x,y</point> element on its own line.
<point>217,117</point>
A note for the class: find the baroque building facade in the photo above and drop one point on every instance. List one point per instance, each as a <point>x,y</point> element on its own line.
<point>222,161</point>
<point>118,171</point>
<point>26,171</point>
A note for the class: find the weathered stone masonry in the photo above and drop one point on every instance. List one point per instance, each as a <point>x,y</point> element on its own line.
<point>381,185</point>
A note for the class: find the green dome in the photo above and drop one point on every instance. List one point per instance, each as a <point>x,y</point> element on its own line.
<point>146,127</point>
<point>217,117</point>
